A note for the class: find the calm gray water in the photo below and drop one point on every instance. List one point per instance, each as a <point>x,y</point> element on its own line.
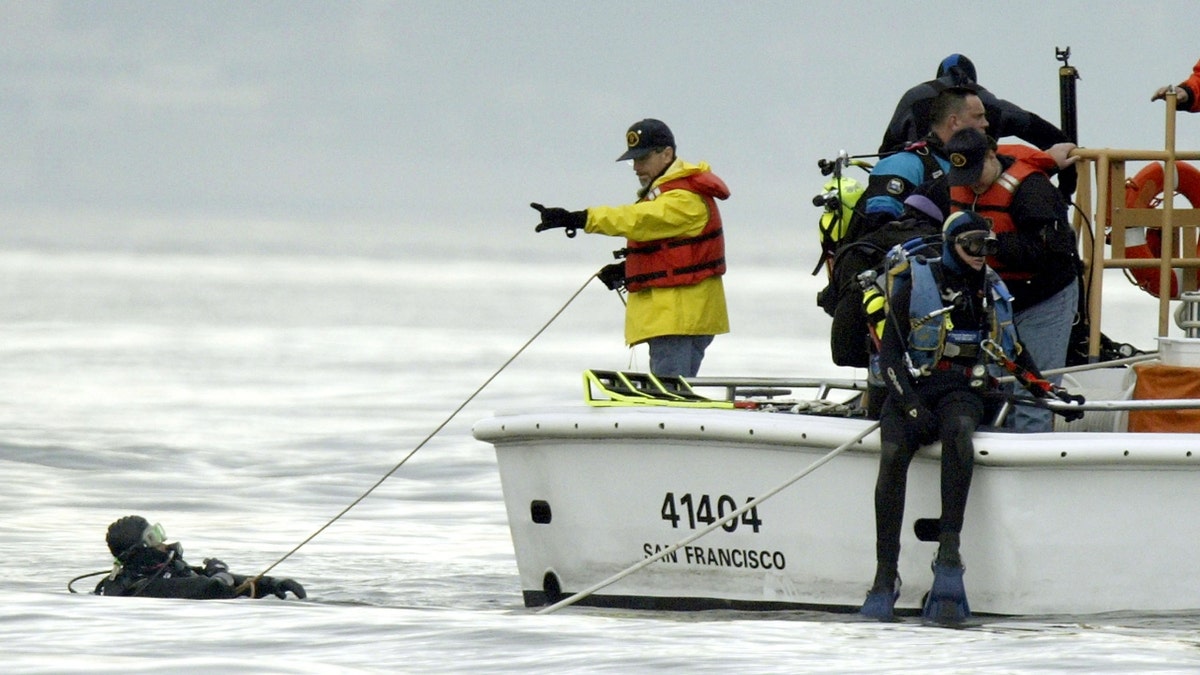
<point>243,386</point>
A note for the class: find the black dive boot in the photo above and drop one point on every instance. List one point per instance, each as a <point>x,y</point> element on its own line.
<point>881,599</point>
<point>947,601</point>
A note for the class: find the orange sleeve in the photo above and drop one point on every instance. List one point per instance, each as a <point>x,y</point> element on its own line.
<point>1192,84</point>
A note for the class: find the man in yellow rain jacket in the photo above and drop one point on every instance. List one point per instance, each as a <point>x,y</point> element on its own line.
<point>675,253</point>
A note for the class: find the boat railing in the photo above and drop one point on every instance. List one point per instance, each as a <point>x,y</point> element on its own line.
<point>842,397</point>
<point>1125,405</point>
<point>781,390</point>
<point>773,387</point>
<point>1101,191</point>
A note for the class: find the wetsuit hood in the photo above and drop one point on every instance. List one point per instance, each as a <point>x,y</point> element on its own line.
<point>125,533</point>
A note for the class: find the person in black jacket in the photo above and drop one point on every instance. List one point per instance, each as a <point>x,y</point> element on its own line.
<point>147,566</point>
<point>911,120</point>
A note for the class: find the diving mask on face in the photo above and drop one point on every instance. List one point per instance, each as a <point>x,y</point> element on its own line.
<point>154,535</point>
<point>978,243</point>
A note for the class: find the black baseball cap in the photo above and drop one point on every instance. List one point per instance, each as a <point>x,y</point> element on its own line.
<point>645,136</point>
<point>966,150</point>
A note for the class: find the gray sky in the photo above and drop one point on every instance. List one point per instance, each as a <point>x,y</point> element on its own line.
<point>454,115</point>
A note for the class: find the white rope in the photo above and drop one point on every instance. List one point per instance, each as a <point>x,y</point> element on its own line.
<point>433,433</point>
<point>720,523</point>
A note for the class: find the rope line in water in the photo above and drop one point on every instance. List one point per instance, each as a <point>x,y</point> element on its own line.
<point>433,433</point>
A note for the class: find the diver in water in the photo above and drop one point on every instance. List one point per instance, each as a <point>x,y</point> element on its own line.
<point>147,566</point>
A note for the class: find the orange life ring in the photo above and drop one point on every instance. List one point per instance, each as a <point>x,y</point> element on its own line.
<point>1144,191</point>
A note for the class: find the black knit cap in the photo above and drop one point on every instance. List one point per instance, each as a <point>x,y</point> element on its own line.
<point>963,221</point>
<point>958,223</point>
<point>125,534</point>
<point>957,62</point>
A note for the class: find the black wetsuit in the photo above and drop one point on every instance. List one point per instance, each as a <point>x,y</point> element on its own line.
<point>910,121</point>
<point>952,410</point>
<point>157,574</point>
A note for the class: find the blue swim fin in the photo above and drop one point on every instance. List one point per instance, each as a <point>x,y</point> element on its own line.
<point>947,601</point>
<point>881,602</point>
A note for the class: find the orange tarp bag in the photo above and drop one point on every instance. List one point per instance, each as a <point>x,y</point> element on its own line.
<point>1156,381</point>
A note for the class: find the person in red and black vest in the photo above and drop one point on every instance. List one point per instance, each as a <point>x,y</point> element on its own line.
<point>1187,92</point>
<point>1037,257</point>
<point>674,255</point>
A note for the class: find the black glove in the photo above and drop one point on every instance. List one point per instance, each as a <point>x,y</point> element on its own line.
<point>1067,397</point>
<point>555,217</point>
<point>278,587</point>
<point>923,422</point>
<point>215,569</point>
<point>613,276</point>
<point>292,585</point>
<point>1068,178</point>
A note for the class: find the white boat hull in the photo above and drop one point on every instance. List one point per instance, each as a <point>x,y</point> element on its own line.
<point>1057,523</point>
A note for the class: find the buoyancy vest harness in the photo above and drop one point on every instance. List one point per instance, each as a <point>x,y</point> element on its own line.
<point>931,331</point>
<point>925,151</point>
<point>680,261</point>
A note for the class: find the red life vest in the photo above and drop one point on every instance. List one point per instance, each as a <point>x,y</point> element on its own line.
<point>995,204</point>
<point>680,261</point>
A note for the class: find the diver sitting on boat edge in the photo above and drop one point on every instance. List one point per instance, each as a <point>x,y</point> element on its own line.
<point>948,317</point>
<point>145,565</point>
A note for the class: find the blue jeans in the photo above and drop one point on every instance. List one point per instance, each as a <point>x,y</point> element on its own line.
<point>1045,330</point>
<point>677,354</point>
